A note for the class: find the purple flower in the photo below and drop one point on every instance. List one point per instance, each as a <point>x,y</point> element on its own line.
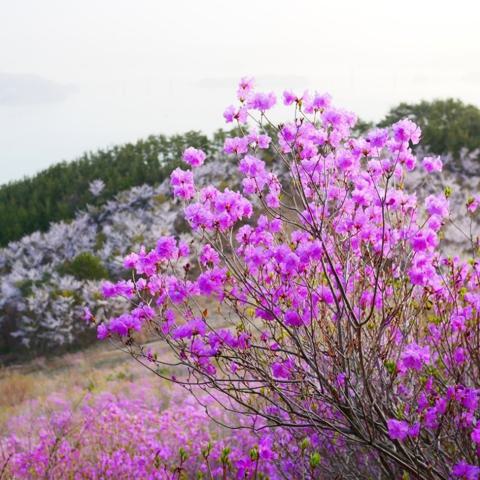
<point>193,327</point>
<point>236,145</point>
<point>415,357</point>
<point>122,288</point>
<point>87,315</point>
<point>102,332</point>
<point>432,164</point>
<point>397,429</point>
<point>459,355</point>
<point>282,369</point>
<point>231,113</point>
<point>424,240</point>
<point>198,216</point>
<point>167,248</point>
<point>317,102</point>
<point>289,97</point>
<point>194,157</point>
<point>212,281</point>
<point>209,256</point>
<point>245,88</point>
<point>476,435</point>
<point>293,319</point>
<point>378,138</point>
<point>183,249</point>
<point>473,204</point>
<point>182,183</point>
<point>262,101</point>
<point>466,471</point>
<point>405,130</point>
<point>437,205</point>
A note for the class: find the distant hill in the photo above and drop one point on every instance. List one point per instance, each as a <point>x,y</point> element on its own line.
<point>60,191</point>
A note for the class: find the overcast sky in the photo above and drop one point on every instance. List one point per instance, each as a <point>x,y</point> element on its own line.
<point>82,75</point>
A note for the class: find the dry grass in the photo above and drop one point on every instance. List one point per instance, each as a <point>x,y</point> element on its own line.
<point>15,388</point>
<point>96,369</point>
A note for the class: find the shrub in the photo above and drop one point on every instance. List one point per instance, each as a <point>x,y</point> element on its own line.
<point>346,323</point>
<point>85,266</point>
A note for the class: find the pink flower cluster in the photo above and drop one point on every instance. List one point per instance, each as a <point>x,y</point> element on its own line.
<point>112,436</point>
<point>194,157</point>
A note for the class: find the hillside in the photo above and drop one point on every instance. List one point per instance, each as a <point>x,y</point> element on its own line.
<point>46,278</point>
<point>82,218</point>
<point>60,191</point>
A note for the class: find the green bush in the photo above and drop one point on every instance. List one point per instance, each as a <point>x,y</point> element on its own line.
<point>85,266</point>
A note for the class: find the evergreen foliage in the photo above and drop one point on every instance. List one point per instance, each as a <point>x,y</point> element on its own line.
<point>85,266</point>
<point>60,191</point>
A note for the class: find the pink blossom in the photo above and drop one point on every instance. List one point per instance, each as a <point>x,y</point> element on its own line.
<point>378,138</point>
<point>193,327</point>
<point>212,281</point>
<point>236,145</point>
<point>194,157</point>
<point>123,288</point>
<point>397,429</point>
<point>182,183</point>
<point>198,216</point>
<point>289,97</point>
<point>87,314</point>
<point>405,130</point>
<point>476,435</point>
<point>272,200</point>
<point>102,332</point>
<point>317,102</point>
<point>424,240</point>
<point>262,101</point>
<point>282,370</point>
<point>459,355</point>
<point>245,88</point>
<point>415,357</point>
<point>432,164</point>
<point>293,319</point>
<point>167,248</point>
<point>437,205</point>
<point>183,249</point>
<point>473,203</point>
<point>466,471</point>
<point>209,256</point>
<point>239,114</point>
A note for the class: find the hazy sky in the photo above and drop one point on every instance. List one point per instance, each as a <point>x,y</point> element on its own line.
<point>81,75</point>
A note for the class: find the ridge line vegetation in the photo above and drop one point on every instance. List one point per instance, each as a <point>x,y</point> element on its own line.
<point>60,191</point>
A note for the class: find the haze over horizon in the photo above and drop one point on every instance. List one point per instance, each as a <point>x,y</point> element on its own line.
<point>78,76</point>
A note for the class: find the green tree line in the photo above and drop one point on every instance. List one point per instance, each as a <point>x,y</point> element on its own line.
<point>58,192</point>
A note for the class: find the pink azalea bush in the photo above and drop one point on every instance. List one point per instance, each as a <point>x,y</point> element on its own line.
<point>345,321</point>
<point>126,436</point>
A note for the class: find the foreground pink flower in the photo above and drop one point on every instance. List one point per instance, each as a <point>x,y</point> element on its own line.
<point>194,157</point>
